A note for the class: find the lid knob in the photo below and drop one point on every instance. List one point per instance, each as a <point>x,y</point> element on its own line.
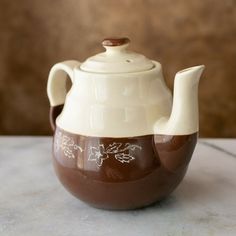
<point>112,42</point>
<point>116,59</point>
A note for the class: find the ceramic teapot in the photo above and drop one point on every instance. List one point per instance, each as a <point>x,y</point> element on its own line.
<point>120,140</point>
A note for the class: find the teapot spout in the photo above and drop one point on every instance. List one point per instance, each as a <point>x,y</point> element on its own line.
<point>184,115</point>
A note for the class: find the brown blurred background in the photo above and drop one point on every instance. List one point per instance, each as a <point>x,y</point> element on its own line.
<point>34,35</point>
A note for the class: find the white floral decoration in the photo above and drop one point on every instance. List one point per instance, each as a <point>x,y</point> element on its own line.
<point>66,144</point>
<point>121,152</point>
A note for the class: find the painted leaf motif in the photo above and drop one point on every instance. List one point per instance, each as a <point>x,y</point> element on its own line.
<point>124,158</point>
<point>68,152</point>
<point>113,148</point>
<point>66,144</point>
<point>66,141</point>
<point>93,154</point>
<point>131,147</point>
<point>97,154</point>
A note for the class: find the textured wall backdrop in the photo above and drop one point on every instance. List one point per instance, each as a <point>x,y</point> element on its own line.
<point>34,35</point>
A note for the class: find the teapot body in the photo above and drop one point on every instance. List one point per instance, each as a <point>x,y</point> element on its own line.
<point>112,147</point>
<point>105,151</point>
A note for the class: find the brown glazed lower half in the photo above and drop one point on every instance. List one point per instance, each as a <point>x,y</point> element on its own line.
<point>121,173</point>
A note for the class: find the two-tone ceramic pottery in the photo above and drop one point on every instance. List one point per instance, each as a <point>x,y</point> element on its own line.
<point>121,141</point>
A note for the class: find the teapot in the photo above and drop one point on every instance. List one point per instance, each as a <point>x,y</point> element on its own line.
<point>120,140</point>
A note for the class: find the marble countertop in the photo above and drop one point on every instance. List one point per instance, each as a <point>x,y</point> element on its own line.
<point>33,202</point>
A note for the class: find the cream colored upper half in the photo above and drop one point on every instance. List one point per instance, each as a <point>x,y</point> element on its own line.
<point>127,104</point>
<point>115,105</point>
<point>119,93</point>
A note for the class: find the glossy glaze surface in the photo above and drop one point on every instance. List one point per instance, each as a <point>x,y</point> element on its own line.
<point>121,173</point>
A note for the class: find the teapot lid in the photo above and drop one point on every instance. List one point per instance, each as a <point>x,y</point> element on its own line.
<point>116,59</point>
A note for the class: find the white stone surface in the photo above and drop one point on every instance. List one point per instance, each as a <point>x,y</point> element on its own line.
<point>33,202</point>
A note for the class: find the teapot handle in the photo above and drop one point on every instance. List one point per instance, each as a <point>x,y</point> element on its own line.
<point>56,87</point>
